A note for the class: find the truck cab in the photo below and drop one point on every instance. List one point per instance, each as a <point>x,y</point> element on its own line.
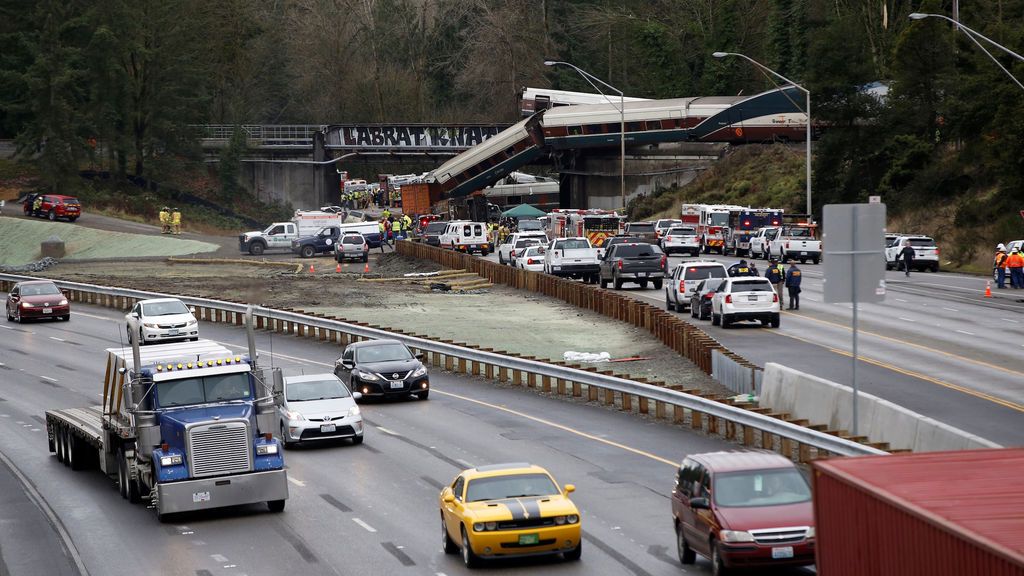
<point>278,235</point>
<point>323,242</point>
<point>573,258</point>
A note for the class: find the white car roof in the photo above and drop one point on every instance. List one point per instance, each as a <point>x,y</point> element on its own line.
<point>158,300</point>
<point>310,377</point>
<point>701,263</point>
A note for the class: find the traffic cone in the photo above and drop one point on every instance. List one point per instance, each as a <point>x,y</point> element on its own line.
<point>988,289</point>
<point>366,268</point>
<point>338,267</point>
<point>311,270</point>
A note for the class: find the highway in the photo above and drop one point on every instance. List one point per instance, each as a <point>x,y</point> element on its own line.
<point>352,509</point>
<point>936,345</point>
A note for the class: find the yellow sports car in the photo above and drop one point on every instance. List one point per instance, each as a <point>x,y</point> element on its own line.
<point>508,510</point>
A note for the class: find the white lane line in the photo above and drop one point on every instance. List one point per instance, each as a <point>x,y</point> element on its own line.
<point>96,317</point>
<point>364,525</point>
<point>906,319</point>
<point>387,431</point>
<point>966,332</point>
<point>219,558</point>
<point>5,415</point>
<point>901,300</point>
<point>463,462</point>
<point>1008,320</point>
<point>6,327</point>
<point>48,378</point>
<point>35,430</point>
<point>57,339</point>
<point>296,482</point>
<point>950,309</point>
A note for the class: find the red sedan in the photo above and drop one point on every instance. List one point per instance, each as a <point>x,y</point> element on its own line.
<point>37,299</point>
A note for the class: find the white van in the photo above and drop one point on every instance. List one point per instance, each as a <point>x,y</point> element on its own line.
<point>466,236</point>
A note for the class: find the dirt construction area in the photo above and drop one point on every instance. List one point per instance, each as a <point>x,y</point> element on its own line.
<point>497,317</point>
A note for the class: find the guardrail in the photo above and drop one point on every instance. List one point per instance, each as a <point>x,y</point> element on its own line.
<point>752,427</point>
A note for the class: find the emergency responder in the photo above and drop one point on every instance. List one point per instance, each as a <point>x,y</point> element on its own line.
<point>1000,266</point>
<point>387,214</point>
<point>176,221</point>
<point>165,220</point>
<point>1015,264</point>
<point>492,232</point>
<point>793,285</point>
<point>741,268</point>
<point>406,224</point>
<point>776,274</point>
<point>907,256</point>
<point>383,226</point>
<point>37,205</point>
<point>396,228</point>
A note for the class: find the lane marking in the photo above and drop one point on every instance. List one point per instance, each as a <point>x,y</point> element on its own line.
<point>87,315</point>
<point>901,300</point>
<point>48,378</point>
<point>296,482</point>
<point>907,319</point>
<point>966,332</point>
<point>464,463</point>
<point>364,525</point>
<point>950,309</point>
<point>580,433</point>
<point>57,339</point>
<point>219,558</point>
<point>1009,320</point>
<point>387,431</point>
<point>1007,403</point>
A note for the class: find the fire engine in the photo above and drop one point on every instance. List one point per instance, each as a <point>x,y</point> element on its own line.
<point>596,225</point>
<point>713,226</point>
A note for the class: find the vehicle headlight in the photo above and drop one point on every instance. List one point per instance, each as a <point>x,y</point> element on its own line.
<point>265,449</point>
<point>26,305</point>
<point>293,415</point>
<point>491,525</point>
<point>63,302</point>
<point>479,527</point>
<point>368,376</point>
<point>559,520</point>
<point>735,536</point>
<point>170,460</point>
<point>354,411</point>
<point>149,325</point>
<point>572,518</point>
<point>810,533</point>
<point>193,322</point>
<point>421,371</point>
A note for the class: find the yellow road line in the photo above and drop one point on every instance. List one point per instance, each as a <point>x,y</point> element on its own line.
<point>562,427</point>
<point>1007,403</point>
<point>918,346</point>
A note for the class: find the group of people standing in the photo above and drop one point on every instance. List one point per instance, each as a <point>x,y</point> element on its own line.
<point>393,227</point>
<point>1009,264</point>
<point>170,221</point>
<point>778,275</point>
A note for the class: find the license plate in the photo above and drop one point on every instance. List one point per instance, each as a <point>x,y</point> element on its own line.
<point>642,274</point>
<point>752,298</point>
<point>47,310</point>
<point>327,427</point>
<point>200,497</point>
<point>782,552</point>
<point>577,260</point>
<point>803,253</point>
<point>528,539</point>
<point>173,332</point>
<point>395,385</point>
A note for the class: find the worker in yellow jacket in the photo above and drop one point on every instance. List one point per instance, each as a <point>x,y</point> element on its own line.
<point>165,220</point>
<point>176,221</point>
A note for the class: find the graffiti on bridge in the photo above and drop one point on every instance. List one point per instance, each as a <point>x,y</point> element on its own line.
<point>412,137</point>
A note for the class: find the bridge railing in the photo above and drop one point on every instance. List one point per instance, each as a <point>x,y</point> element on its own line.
<point>263,134</point>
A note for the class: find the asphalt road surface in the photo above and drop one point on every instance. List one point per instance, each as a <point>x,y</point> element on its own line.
<point>369,509</point>
<point>936,345</point>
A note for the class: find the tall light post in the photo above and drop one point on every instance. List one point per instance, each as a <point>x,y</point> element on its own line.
<point>622,117</point>
<point>807,112</point>
<point>974,35</point>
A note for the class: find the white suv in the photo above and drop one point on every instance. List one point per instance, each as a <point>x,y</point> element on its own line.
<point>681,239</point>
<point>926,253</point>
<point>515,243</point>
<point>685,278</point>
<point>745,298</point>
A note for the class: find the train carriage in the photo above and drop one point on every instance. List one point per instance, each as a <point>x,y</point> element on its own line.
<point>536,99</point>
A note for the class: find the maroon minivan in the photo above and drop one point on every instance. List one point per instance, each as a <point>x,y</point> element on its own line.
<point>743,509</point>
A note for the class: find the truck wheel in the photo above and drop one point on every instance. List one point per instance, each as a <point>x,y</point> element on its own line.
<point>815,260</point>
<point>642,283</point>
<point>715,319</point>
<point>52,216</point>
<point>132,489</point>
<point>122,475</point>
<point>657,284</point>
<point>604,283</point>
<point>58,436</point>
<point>775,320</point>
<point>308,251</point>
<point>934,267</point>
<point>256,248</point>
<point>617,282</point>
<point>668,304</point>
<point>276,505</point>
<point>501,259</point>
<point>726,321</point>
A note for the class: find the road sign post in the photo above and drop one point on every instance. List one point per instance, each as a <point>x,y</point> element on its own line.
<point>854,263</point>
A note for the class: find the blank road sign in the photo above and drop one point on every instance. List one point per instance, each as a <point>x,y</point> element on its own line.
<point>854,252</point>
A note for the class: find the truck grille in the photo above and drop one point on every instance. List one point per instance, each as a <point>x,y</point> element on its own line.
<point>779,535</point>
<point>219,449</point>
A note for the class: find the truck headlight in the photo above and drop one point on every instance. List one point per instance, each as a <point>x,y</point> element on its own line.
<point>174,460</point>
<point>736,536</point>
<point>422,370</point>
<point>266,449</point>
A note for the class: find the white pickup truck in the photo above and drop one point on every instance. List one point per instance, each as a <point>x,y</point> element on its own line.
<point>796,242</point>
<point>573,258</point>
<point>279,235</point>
<point>760,240</point>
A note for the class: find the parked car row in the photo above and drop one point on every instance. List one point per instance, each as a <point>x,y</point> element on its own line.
<point>706,290</point>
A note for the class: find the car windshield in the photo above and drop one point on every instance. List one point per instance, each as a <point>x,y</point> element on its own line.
<point>640,227</point>
<point>702,272</point>
<point>760,488</point>
<point>669,223</point>
<point>682,232</point>
<point>527,242</point>
<point>166,308</point>
<point>637,251</point>
<point>352,239</point>
<point>572,245</point>
<point>315,390</point>
<point>512,486</point>
<point>39,289</point>
<point>219,388</point>
<point>530,225</point>
<point>718,219</point>
<point>601,222</point>
<point>752,286</point>
<point>799,232</point>
<point>533,251</point>
<point>382,353</point>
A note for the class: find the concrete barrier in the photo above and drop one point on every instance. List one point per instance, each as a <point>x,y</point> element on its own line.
<point>823,402</point>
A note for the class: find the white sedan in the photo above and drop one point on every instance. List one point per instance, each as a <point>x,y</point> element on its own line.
<point>318,407</point>
<point>163,319</point>
<point>745,298</point>
<point>531,259</point>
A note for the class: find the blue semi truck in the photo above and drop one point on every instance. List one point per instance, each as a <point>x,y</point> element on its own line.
<point>185,426</point>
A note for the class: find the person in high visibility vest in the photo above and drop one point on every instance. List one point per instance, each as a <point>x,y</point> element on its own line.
<point>176,221</point>
<point>1015,264</point>
<point>396,228</point>
<point>777,276</point>
<point>1000,266</point>
<point>165,220</point>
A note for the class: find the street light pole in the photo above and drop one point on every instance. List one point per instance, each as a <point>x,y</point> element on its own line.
<point>622,118</point>
<point>974,35</point>
<point>807,112</point>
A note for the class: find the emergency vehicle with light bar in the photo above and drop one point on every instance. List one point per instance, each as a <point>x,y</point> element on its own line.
<point>186,426</point>
<point>593,224</point>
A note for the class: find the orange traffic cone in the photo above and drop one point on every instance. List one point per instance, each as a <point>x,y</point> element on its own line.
<point>366,268</point>
<point>988,289</point>
<point>311,270</point>
<point>338,267</point>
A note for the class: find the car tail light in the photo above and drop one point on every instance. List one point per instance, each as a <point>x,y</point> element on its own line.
<point>530,261</point>
<point>682,286</point>
<point>709,295</point>
<point>664,261</point>
<point>775,297</point>
<point>936,250</point>
<point>512,254</point>
<point>620,264</point>
<point>728,298</point>
<point>787,245</point>
<point>668,238</point>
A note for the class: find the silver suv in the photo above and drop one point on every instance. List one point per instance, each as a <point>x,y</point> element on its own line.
<point>353,246</point>
<point>685,279</point>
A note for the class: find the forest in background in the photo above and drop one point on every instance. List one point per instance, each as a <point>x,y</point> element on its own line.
<point>124,79</point>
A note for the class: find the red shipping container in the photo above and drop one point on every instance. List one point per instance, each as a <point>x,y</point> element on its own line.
<point>929,514</point>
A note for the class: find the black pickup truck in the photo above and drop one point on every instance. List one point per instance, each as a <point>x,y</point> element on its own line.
<point>637,262</point>
<point>323,242</point>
